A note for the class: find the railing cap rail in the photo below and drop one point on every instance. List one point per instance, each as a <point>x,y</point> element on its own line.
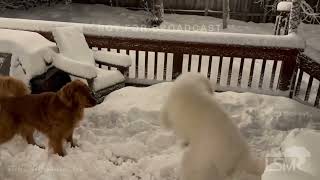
<point>292,41</point>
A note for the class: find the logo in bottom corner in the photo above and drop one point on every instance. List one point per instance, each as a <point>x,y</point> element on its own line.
<point>290,159</point>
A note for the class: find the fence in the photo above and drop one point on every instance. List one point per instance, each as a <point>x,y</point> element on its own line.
<point>240,68</point>
<point>247,10</point>
<point>264,64</point>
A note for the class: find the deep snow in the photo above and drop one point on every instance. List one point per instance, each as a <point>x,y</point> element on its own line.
<point>123,139</point>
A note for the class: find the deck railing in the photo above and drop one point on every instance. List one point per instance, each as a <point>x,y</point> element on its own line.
<point>264,64</point>
<point>307,81</point>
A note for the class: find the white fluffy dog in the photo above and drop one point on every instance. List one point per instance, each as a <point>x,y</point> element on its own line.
<point>216,147</point>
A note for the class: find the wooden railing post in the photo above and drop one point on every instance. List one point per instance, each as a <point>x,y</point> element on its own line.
<point>287,72</point>
<point>289,65</point>
<point>177,65</point>
<point>206,9</point>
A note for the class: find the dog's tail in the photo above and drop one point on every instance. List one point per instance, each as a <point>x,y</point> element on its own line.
<point>11,87</point>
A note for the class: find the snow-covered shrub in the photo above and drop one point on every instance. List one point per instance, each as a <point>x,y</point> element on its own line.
<point>154,10</point>
<point>25,4</point>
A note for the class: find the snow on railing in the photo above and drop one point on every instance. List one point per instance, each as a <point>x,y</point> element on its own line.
<point>238,62</point>
<point>290,41</point>
<point>284,6</point>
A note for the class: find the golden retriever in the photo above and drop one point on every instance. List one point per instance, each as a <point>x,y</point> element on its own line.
<point>12,87</point>
<point>54,114</point>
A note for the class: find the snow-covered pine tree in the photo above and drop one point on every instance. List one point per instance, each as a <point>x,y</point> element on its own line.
<point>155,11</point>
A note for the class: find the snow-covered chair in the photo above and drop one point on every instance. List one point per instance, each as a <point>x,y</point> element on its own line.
<point>78,60</point>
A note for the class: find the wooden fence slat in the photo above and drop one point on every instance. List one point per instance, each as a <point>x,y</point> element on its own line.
<point>219,70</point>
<point>273,73</point>
<point>165,66</point>
<point>286,72</point>
<point>137,64</point>
<point>189,62</point>
<point>200,63</point>
<point>263,68</point>
<point>230,71</point>
<point>146,64</point>
<point>316,103</point>
<point>240,72</point>
<point>293,82</point>
<point>177,65</point>
<point>253,62</point>
<point>308,89</point>
<point>155,65</point>
<point>209,67</point>
<point>297,92</point>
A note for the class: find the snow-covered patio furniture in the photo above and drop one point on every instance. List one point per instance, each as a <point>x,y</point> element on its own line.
<point>24,54</point>
<point>77,59</point>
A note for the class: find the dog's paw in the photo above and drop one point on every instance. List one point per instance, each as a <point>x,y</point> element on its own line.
<point>41,147</point>
<point>62,154</point>
<point>74,145</point>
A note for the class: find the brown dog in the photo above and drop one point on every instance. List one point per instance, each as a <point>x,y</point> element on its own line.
<point>54,114</point>
<point>10,87</point>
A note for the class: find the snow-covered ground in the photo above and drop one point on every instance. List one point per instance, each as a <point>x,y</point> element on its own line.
<point>122,139</point>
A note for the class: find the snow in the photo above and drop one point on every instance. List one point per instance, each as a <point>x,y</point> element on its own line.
<point>284,6</point>
<point>122,138</point>
<point>112,58</point>
<point>107,78</point>
<point>72,44</point>
<point>74,67</point>
<point>288,41</point>
<point>102,78</point>
<point>29,51</point>
<point>313,54</point>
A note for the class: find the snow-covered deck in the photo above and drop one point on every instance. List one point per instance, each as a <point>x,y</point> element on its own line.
<point>122,139</point>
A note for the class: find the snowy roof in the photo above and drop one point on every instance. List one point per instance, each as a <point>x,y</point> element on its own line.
<point>284,6</point>
<point>288,41</point>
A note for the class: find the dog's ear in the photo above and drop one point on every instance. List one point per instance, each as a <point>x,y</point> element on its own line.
<point>67,95</point>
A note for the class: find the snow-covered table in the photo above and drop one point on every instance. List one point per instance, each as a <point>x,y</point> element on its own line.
<point>30,51</point>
